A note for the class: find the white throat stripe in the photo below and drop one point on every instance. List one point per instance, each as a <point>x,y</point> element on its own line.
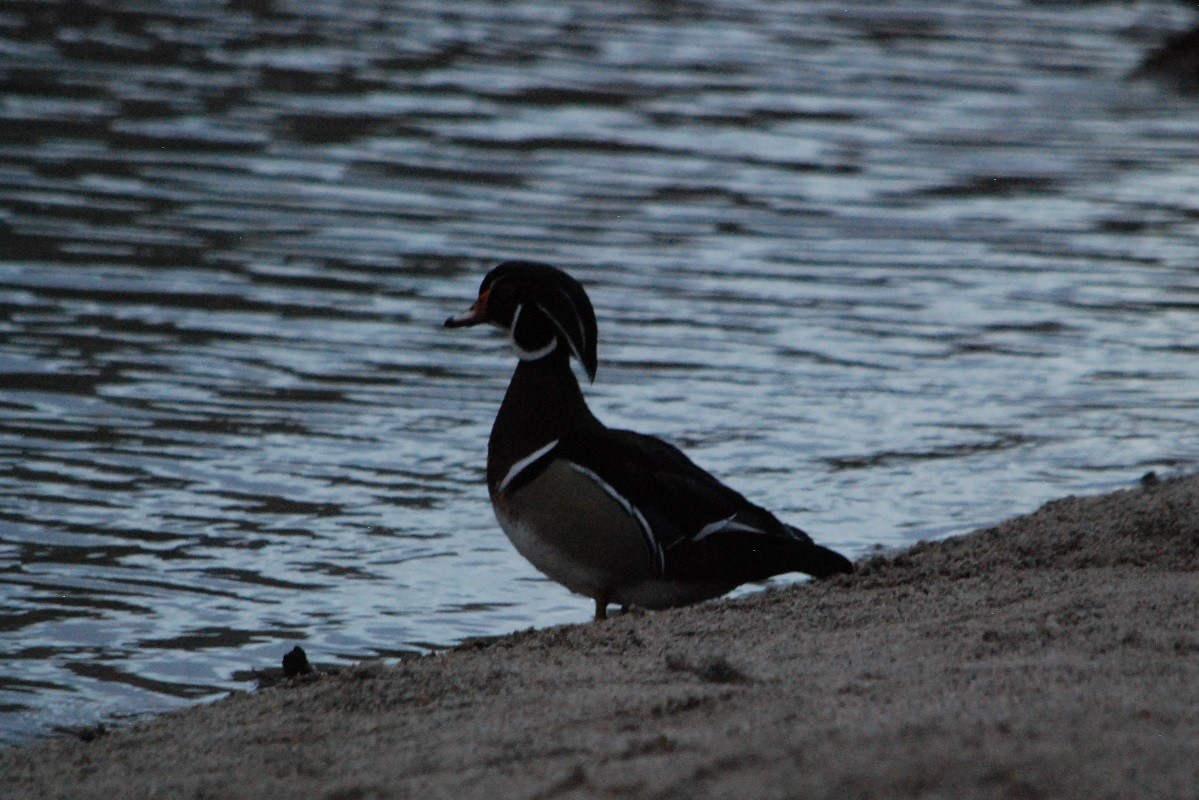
<point>530,355</point>
<point>524,463</point>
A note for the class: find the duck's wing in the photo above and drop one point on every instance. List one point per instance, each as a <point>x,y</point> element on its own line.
<point>705,532</point>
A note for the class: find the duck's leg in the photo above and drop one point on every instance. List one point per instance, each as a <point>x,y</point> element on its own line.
<point>601,608</point>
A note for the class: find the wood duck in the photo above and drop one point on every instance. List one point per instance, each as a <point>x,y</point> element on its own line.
<point>617,516</point>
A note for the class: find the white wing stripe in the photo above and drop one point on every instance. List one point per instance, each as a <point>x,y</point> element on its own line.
<point>725,524</point>
<point>525,462</point>
<point>646,531</point>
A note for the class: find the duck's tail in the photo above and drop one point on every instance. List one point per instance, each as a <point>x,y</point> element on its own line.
<point>817,560</point>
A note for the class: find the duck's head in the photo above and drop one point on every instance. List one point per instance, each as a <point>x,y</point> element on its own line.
<point>542,308</point>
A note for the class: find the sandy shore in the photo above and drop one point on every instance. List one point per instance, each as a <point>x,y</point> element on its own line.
<point>1053,656</point>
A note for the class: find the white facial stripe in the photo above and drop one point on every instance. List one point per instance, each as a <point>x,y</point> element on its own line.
<point>531,355</point>
<point>569,341</point>
<point>578,321</point>
<point>524,463</point>
<point>646,531</point>
<point>725,524</point>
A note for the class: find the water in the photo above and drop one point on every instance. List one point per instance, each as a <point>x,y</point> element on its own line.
<point>893,273</point>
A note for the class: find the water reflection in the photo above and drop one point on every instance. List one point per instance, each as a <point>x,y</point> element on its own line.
<point>887,281</point>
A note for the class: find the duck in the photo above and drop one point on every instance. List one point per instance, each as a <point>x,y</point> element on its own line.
<point>621,517</point>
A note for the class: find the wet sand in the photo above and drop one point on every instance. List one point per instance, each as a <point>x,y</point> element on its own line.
<point>1055,656</point>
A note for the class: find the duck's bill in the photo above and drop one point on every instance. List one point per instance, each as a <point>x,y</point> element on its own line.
<point>472,316</point>
<point>464,320</point>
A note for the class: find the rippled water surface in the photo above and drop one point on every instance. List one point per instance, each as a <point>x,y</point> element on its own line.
<point>895,272</point>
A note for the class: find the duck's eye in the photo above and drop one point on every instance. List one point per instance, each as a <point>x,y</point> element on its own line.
<point>501,303</point>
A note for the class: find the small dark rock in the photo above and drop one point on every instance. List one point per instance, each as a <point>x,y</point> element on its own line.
<point>91,733</point>
<point>295,662</point>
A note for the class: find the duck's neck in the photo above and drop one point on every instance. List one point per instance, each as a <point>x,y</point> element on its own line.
<point>542,404</point>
